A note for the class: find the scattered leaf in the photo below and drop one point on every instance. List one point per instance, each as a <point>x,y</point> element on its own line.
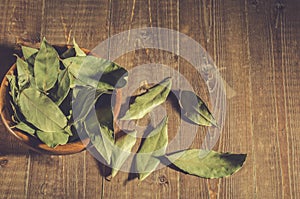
<point>207,164</point>
<point>146,102</point>
<point>153,146</point>
<point>121,151</point>
<point>195,109</point>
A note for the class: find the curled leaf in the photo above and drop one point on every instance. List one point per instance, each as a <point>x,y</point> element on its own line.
<point>146,102</point>
<point>153,146</point>
<point>195,109</point>
<point>207,164</point>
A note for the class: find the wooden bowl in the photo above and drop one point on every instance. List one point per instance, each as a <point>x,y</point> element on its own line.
<point>32,142</point>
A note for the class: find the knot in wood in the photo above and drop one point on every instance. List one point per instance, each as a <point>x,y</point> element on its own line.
<point>163,179</point>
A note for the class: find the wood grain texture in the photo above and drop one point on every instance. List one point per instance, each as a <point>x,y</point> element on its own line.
<point>255,45</point>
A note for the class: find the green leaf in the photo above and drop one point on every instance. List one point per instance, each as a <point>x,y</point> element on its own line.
<point>195,109</point>
<point>84,99</point>
<point>12,80</point>
<point>78,50</point>
<point>207,164</point>
<point>46,67</point>
<point>146,102</point>
<point>100,136</point>
<point>28,52</point>
<point>23,73</point>
<point>41,111</point>
<point>122,150</point>
<point>25,127</point>
<point>70,52</point>
<point>53,139</point>
<point>96,72</point>
<point>63,86</point>
<point>153,146</point>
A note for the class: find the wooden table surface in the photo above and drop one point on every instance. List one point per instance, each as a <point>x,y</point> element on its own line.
<point>255,45</point>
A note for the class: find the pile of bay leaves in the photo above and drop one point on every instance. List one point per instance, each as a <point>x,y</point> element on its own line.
<point>53,98</point>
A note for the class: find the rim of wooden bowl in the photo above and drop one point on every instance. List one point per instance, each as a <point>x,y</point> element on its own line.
<point>32,142</point>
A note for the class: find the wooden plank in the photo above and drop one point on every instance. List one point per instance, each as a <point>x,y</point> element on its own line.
<point>284,33</point>
<point>86,20</point>
<point>274,146</point>
<point>127,15</point>
<point>19,21</point>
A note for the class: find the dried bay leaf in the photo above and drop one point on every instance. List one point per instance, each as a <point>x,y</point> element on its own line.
<point>84,100</point>
<point>153,146</point>
<point>23,73</point>
<point>46,67</point>
<point>63,86</point>
<point>25,127</point>
<point>121,151</point>
<point>12,80</point>
<point>53,139</point>
<point>41,111</point>
<point>96,72</point>
<point>28,51</point>
<point>70,52</point>
<point>195,109</point>
<point>146,102</point>
<point>78,50</point>
<point>100,136</point>
<point>207,164</point>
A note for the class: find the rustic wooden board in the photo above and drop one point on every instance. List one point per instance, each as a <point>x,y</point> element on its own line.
<point>255,45</point>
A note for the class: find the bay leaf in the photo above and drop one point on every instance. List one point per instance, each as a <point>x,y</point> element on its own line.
<point>78,50</point>
<point>25,127</point>
<point>70,52</point>
<point>23,73</point>
<point>195,109</point>
<point>146,102</point>
<point>101,137</point>
<point>63,86</point>
<point>28,51</point>
<point>46,67</point>
<point>39,110</point>
<point>96,72</point>
<point>84,99</point>
<point>53,139</point>
<point>153,146</point>
<point>12,80</point>
<point>207,164</point>
<point>121,151</point>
